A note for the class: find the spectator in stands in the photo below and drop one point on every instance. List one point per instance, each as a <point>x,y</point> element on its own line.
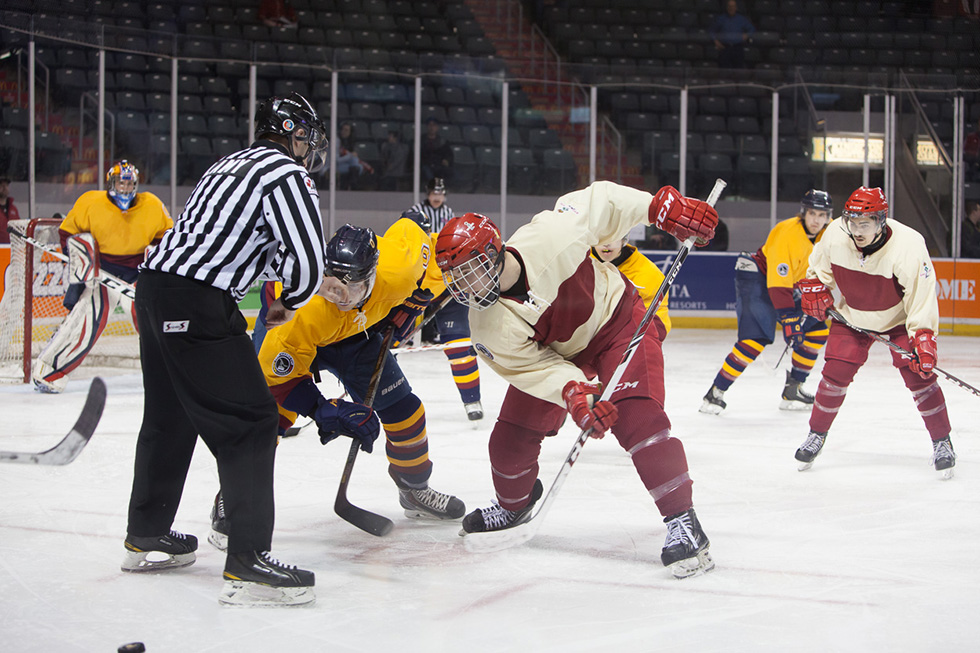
<point>8,211</point>
<point>394,161</point>
<point>437,155</point>
<point>277,13</point>
<point>730,32</point>
<point>970,236</point>
<point>349,166</point>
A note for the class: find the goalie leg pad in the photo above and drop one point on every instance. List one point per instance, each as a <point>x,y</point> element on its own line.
<point>74,339</point>
<point>83,258</point>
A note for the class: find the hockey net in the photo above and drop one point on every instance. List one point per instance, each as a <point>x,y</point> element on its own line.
<point>31,309</point>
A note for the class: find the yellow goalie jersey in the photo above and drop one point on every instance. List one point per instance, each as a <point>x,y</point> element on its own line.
<point>122,235</point>
<point>404,252</point>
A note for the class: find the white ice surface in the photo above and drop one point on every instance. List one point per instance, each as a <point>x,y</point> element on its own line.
<point>867,551</point>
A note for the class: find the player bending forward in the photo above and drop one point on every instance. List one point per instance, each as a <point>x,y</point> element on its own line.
<point>887,284</point>
<point>550,319</point>
<point>367,279</point>
<point>108,230</point>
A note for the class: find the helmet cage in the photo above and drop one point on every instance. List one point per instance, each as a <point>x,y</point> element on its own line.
<point>474,282</point>
<point>468,252</point>
<point>122,171</point>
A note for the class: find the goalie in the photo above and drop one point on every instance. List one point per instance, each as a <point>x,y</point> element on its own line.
<point>105,230</point>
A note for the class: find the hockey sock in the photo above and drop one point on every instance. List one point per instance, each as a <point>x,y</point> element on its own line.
<point>466,372</point>
<point>930,401</point>
<point>407,444</point>
<point>514,454</point>
<point>805,356</point>
<point>743,353</point>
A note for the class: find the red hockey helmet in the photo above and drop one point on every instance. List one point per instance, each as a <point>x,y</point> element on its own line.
<point>468,250</point>
<point>865,203</point>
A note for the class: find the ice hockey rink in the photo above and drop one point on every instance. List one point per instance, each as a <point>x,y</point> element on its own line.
<point>867,551</point>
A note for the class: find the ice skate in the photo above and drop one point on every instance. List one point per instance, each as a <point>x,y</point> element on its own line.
<point>218,537</point>
<point>496,518</point>
<point>810,449</point>
<point>943,457</point>
<point>713,402</point>
<point>685,552</point>
<point>794,396</point>
<point>474,410</point>
<point>430,504</point>
<point>256,578</point>
<point>172,551</point>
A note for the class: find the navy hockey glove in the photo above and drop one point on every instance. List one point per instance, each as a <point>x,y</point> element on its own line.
<point>338,417</point>
<point>403,316</point>
<point>73,294</point>
<point>792,321</point>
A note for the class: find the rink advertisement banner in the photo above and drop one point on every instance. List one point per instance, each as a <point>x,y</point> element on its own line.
<point>704,291</point>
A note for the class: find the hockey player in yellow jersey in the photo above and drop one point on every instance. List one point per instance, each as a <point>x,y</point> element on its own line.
<point>108,230</point>
<point>641,272</point>
<point>370,283</point>
<point>764,295</point>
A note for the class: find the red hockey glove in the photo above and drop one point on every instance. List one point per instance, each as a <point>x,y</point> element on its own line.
<point>403,317</point>
<point>926,353</point>
<point>683,217</point>
<point>578,398</point>
<point>815,298</point>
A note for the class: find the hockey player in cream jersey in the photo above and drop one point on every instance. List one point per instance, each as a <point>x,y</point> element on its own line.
<point>888,285</point>
<point>550,319</point>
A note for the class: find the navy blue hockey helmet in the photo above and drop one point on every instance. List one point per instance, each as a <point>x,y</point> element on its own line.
<point>418,218</point>
<point>352,254</point>
<point>819,200</point>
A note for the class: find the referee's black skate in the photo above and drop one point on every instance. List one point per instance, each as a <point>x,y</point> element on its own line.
<point>256,578</point>
<point>685,552</point>
<point>794,396</point>
<point>158,553</point>
<point>496,518</point>
<point>218,537</point>
<point>810,449</point>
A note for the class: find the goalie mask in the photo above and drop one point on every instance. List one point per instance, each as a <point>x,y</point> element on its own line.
<point>468,251</point>
<point>351,267</point>
<point>122,181</point>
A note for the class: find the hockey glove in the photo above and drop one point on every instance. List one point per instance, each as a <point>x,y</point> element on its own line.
<point>338,417</point>
<point>579,398</point>
<point>815,298</point>
<point>792,321</point>
<point>73,294</point>
<point>403,316</point>
<point>926,353</point>
<point>683,217</point>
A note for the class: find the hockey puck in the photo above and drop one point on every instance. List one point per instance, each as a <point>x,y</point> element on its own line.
<point>132,647</point>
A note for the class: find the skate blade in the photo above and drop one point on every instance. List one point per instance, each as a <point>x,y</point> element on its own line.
<point>702,563</point>
<point>709,408</point>
<point>491,541</point>
<point>805,466</point>
<point>422,515</point>
<point>137,561</point>
<point>218,540</point>
<point>241,594</point>
<point>787,404</point>
<point>945,474</point>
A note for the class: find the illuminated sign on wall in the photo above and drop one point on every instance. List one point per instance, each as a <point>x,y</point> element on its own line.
<point>846,149</point>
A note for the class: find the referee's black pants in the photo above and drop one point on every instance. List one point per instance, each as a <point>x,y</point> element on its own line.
<point>201,377</point>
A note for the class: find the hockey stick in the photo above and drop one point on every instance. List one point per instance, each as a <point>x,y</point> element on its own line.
<point>108,280</point>
<point>901,350</point>
<point>72,444</point>
<point>506,538</point>
<point>367,521</point>
<point>412,350</point>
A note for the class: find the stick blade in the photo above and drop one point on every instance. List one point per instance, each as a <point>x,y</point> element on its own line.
<point>366,520</point>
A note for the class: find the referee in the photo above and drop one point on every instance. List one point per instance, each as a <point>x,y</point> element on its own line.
<point>434,206</point>
<point>255,211</point>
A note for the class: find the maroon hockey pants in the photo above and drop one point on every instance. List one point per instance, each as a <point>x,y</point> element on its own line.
<point>643,428</point>
<point>847,351</point>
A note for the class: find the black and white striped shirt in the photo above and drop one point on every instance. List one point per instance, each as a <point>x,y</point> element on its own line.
<point>252,212</point>
<point>437,217</point>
